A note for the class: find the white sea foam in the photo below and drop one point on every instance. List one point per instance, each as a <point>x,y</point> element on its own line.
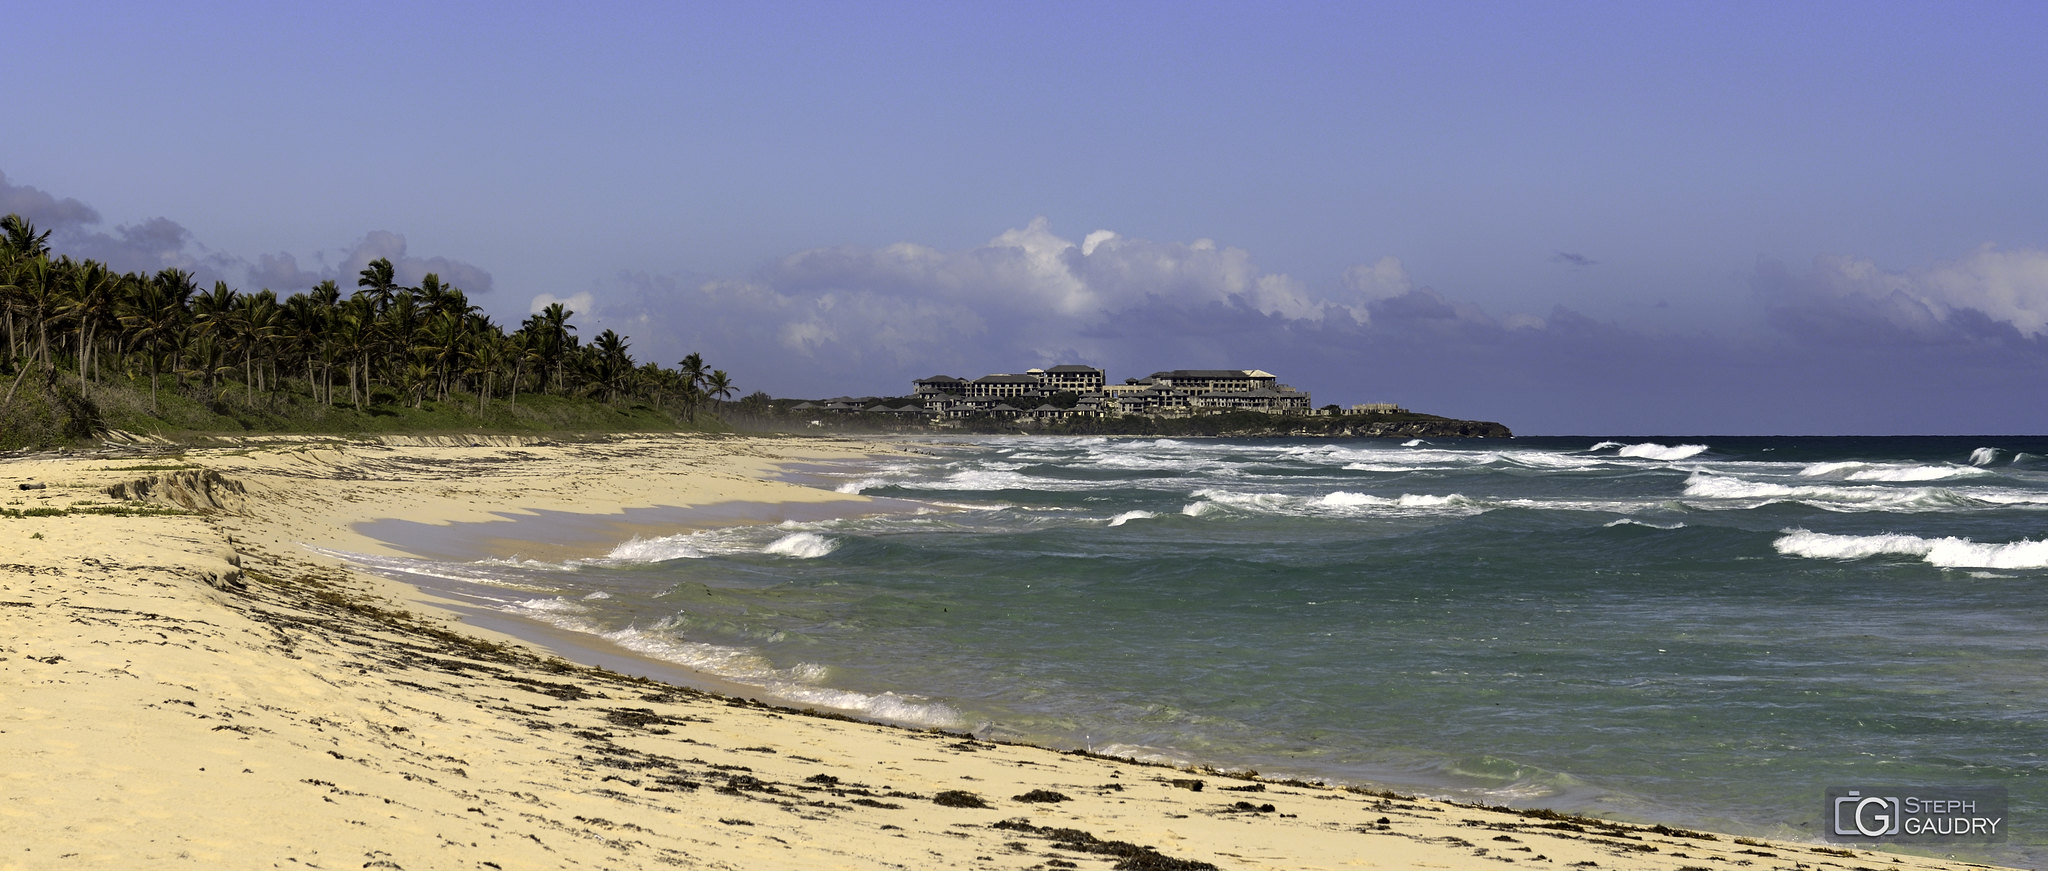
<point>1411,443</point>
<point>802,545</point>
<point>798,683</point>
<point>1389,468</point>
<point>1345,499</point>
<point>1894,472</point>
<point>1340,503</point>
<point>482,572</point>
<point>600,594</point>
<point>1732,491</point>
<point>549,605</point>
<point>909,710</point>
<point>1624,521</point>
<point>1605,445</point>
<point>662,549</point>
<point>1983,456</point>
<point>1654,451</point>
<point>1129,516</point>
<point>1144,754</point>
<point>1947,552</point>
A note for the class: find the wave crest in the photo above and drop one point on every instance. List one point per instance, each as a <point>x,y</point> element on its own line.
<point>1129,516</point>
<point>655,550</point>
<point>802,545</point>
<point>1949,552</point>
<point>1854,470</point>
<point>1654,451</point>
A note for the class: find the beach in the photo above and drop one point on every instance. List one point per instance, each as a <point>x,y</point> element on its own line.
<point>192,679</point>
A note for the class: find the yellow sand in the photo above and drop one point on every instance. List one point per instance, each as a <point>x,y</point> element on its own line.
<point>199,690</point>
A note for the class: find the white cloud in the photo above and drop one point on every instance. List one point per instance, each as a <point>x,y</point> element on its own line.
<point>578,303</point>
<point>2006,286</point>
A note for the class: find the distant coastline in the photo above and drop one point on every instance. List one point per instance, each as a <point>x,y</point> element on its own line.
<point>1233,424</point>
<point>1074,399</point>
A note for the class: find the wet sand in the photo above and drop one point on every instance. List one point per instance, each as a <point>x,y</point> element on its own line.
<point>188,685</point>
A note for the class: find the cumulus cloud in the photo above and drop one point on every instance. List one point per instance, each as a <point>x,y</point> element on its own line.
<point>147,246</point>
<point>45,210</point>
<point>472,279</point>
<point>160,243</point>
<point>1987,295</point>
<point>1028,297</point>
<point>576,303</point>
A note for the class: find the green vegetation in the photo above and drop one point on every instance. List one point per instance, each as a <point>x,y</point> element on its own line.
<point>87,350</point>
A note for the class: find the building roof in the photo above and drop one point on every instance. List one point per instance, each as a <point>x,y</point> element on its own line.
<point>939,379</point>
<point>1070,367</point>
<point>1213,373</point>
<point>1006,379</point>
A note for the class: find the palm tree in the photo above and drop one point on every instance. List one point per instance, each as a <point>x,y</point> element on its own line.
<point>22,241</point>
<point>19,243</point>
<point>154,316</point>
<point>614,369</point>
<point>213,326</point>
<point>718,385</point>
<point>38,284</point>
<point>255,324</point>
<point>93,290</point>
<point>556,343</point>
<point>441,342</point>
<point>35,286</point>
<point>355,337</point>
<point>379,282</point>
<point>692,368</point>
<point>487,351</point>
<point>301,327</point>
<point>523,347</point>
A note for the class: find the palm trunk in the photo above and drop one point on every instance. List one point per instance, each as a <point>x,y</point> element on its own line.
<point>9,402</point>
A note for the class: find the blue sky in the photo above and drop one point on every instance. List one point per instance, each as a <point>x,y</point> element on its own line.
<point>1572,217</point>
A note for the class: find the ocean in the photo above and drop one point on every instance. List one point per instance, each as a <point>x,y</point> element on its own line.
<point>1705,632</point>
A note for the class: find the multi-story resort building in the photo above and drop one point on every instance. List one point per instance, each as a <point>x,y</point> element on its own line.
<point>1068,391</point>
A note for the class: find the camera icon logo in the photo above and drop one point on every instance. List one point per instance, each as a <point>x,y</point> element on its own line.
<point>1869,816</point>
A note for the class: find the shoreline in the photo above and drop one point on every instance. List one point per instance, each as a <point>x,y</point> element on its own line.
<point>343,728</point>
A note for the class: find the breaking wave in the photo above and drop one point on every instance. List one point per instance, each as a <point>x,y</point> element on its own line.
<point>720,542</point>
<point>1129,516</point>
<point>655,550</point>
<point>798,683</point>
<point>1894,472</point>
<point>1949,552</point>
<point>1654,451</point>
<point>1342,503</point>
<point>1983,456</point>
<point>802,545</point>
<point>1871,497</point>
<point>1624,521</point>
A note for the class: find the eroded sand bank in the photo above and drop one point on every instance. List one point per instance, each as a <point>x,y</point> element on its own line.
<point>199,689</point>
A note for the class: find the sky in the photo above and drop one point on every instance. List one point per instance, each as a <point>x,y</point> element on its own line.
<point>1572,217</point>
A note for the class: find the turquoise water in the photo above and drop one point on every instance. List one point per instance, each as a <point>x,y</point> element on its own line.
<point>1701,631</point>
